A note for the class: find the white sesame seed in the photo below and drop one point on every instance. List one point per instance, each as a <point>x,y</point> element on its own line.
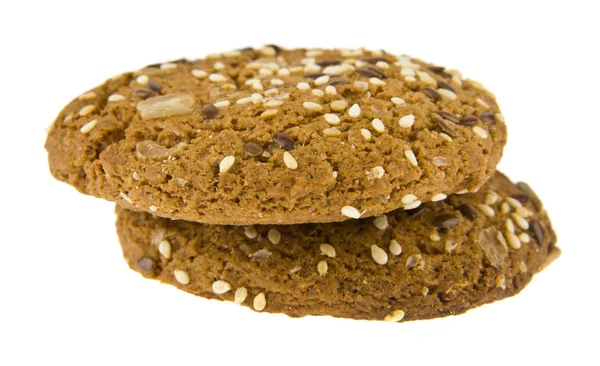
<point>332,132</point>
<point>328,250</point>
<point>447,94</point>
<point>218,65</point>
<point>354,111</point>
<point>501,282</point>
<point>339,105</point>
<point>523,267</point>
<point>524,212</point>
<point>226,163</point>
<point>524,238</point>
<point>361,85</point>
<point>168,66</point>
<point>232,53</point>
<point>379,255</point>
<point>244,100</point>
<point>321,80</point>
<point>382,65</point>
<point>250,81</point>
<point>375,173</point>
<point>487,210</point>
<point>312,106</point>
<point>277,82</point>
<point>116,98</point>
<point>274,236</point>
<point>256,98</point>
<point>330,90</point>
<point>438,197</point>
<point>480,132</point>
<point>491,197</point>
<point>409,198</point>
<point>501,239</point>
<point>312,69</point>
<point>164,248</point>
<point>181,276</point>
<point>513,240</point>
<point>240,295</point>
<point>200,74</point>
<point>290,161</point>
<point>87,96</point>
<point>296,69</point>
<point>260,302</point>
<point>220,287</point>
<point>322,268</point>
<point>439,161</point>
<point>334,70</point>
<point>273,103</point>
<point>394,316</point>
<point>410,79</point>
<point>217,78</point>
<point>520,221</point>
<point>378,125</point>
<point>510,225</point>
<point>331,118</point>
<point>381,222</point>
<point>462,191</point>
<point>505,208</point>
<point>153,208</point>
<point>87,110</point>
<point>268,113</point>
<point>126,198</point>
<point>308,60</point>
<point>407,121</point>
<point>410,155</point>
<point>482,103</point>
<point>407,71</point>
<point>377,81</point>
<point>500,117</point>
<point>222,103</point>
<point>250,232</point>
<point>395,248</point>
<point>268,51</point>
<point>445,136</point>
<point>283,72</point>
<point>350,212</point>
<point>366,134</point>
<point>434,236</point>
<point>426,78</point>
<point>398,101</point>
<point>257,85</point>
<point>271,92</point>
<point>515,203</point>
<point>86,128</point>
<point>263,71</point>
<point>317,93</point>
<point>142,80</point>
<point>313,53</point>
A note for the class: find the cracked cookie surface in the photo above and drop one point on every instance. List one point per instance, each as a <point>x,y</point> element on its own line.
<point>273,136</point>
<point>440,259</point>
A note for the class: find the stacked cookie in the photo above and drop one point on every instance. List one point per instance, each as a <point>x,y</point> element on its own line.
<point>349,183</point>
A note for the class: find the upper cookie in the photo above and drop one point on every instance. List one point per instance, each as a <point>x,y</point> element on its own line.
<point>275,136</point>
<point>440,259</point>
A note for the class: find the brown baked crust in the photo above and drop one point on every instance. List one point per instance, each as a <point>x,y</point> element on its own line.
<point>111,157</point>
<point>432,277</point>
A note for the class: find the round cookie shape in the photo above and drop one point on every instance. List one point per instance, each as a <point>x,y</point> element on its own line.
<point>274,136</point>
<point>440,259</point>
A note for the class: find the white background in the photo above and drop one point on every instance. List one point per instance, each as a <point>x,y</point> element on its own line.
<point>68,298</point>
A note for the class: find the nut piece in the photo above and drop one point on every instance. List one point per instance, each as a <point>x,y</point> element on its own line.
<point>166,105</point>
<point>152,150</point>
